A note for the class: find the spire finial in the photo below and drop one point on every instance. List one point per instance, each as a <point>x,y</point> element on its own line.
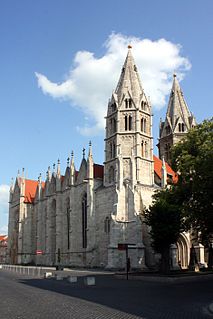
<point>18,173</point>
<point>174,75</point>
<point>68,161</point>
<point>129,46</point>
<point>58,168</point>
<point>39,179</point>
<point>83,152</point>
<point>90,149</point>
<point>23,172</point>
<point>53,166</point>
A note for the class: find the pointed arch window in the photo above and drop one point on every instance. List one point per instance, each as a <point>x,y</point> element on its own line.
<point>142,149</point>
<point>143,125</point>
<point>107,225</point>
<point>146,150</point>
<point>183,127</point>
<point>68,222</point>
<point>113,149</point>
<point>111,174</point>
<point>126,122</point>
<point>110,150</point>
<point>114,125</point>
<point>130,123</point>
<point>143,106</point>
<point>126,103</point>
<point>84,221</point>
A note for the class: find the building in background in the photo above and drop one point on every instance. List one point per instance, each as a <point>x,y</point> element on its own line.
<point>3,248</point>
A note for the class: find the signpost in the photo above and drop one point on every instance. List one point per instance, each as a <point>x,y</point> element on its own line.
<point>126,246</point>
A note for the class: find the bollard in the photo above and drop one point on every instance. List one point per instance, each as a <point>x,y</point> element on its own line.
<point>72,279</point>
<point>59,277</point>
<point>89,281</point>
<point>48,274</point>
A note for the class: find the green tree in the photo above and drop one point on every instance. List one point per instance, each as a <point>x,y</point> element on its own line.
<point>165,219</point>
<point>192,158</point>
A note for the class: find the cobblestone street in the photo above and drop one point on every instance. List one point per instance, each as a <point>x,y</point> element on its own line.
<point>24,297</point>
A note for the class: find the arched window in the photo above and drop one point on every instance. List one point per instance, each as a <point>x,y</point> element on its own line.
<point>113,107</point>
<point>114,125</point>
<point>146,150</point>
<point>111,174</point>
<point>130,123</point>
<point>168,129</point>
<point>143,106</point>
<point>142,149</point>
<point>130,103</point>
<point>107,225</point>
<point>143,125</point>
<point>126,103</point>
<point>68,222</point>
<point>113,150</point>
<point>84,221</point>
<point>126,120</point>
<point>179,127</point>
<point>110,150</point>
<point>183,127</point>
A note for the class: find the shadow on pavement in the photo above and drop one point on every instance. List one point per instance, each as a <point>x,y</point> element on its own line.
<point>145,299</point>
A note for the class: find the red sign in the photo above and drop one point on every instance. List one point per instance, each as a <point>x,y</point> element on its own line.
<point>126,246</point>
<point>39,252</point>
<point>122,246</point>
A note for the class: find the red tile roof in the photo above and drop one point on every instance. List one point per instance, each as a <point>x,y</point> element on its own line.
<point>31,185</point>
<point>158,167</point>
<point>3,237</point>
<point>30,190</point>
<point>98,171</point>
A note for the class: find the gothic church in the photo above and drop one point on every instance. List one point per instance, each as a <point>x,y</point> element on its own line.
<point>79,218</point>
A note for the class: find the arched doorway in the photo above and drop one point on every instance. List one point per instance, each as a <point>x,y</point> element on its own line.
<point>183,251</point>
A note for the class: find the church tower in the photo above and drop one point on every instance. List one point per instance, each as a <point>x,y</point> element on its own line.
<point>128,142</point>
<point>179,120</point>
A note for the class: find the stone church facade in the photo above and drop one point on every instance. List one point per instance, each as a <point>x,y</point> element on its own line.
<point>79,218</point>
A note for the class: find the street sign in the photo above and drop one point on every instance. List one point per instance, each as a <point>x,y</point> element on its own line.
<point>39,252</point>
<point>125,246</point>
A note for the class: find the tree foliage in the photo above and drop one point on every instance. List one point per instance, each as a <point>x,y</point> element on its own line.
<point>164,217</point>
<point>192,158</point>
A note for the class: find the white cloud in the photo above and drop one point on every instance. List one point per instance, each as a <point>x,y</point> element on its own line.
<point>4,208</point>
<point>91,80</point>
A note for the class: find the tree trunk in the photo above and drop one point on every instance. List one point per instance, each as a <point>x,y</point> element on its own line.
<point>165,260</point>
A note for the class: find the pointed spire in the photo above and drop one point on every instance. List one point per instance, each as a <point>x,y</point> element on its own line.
<point>83,151</point>
<point>129,81</point>
<point>177,106</point>
<point>12,185</point>
<point>90,173</point>
<point>58,169</point>
<point>22,175</point>
<point>163,174</point>
<point>49,174</point>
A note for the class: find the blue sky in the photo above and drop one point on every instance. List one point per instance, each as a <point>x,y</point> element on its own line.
<point>72,43</point>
